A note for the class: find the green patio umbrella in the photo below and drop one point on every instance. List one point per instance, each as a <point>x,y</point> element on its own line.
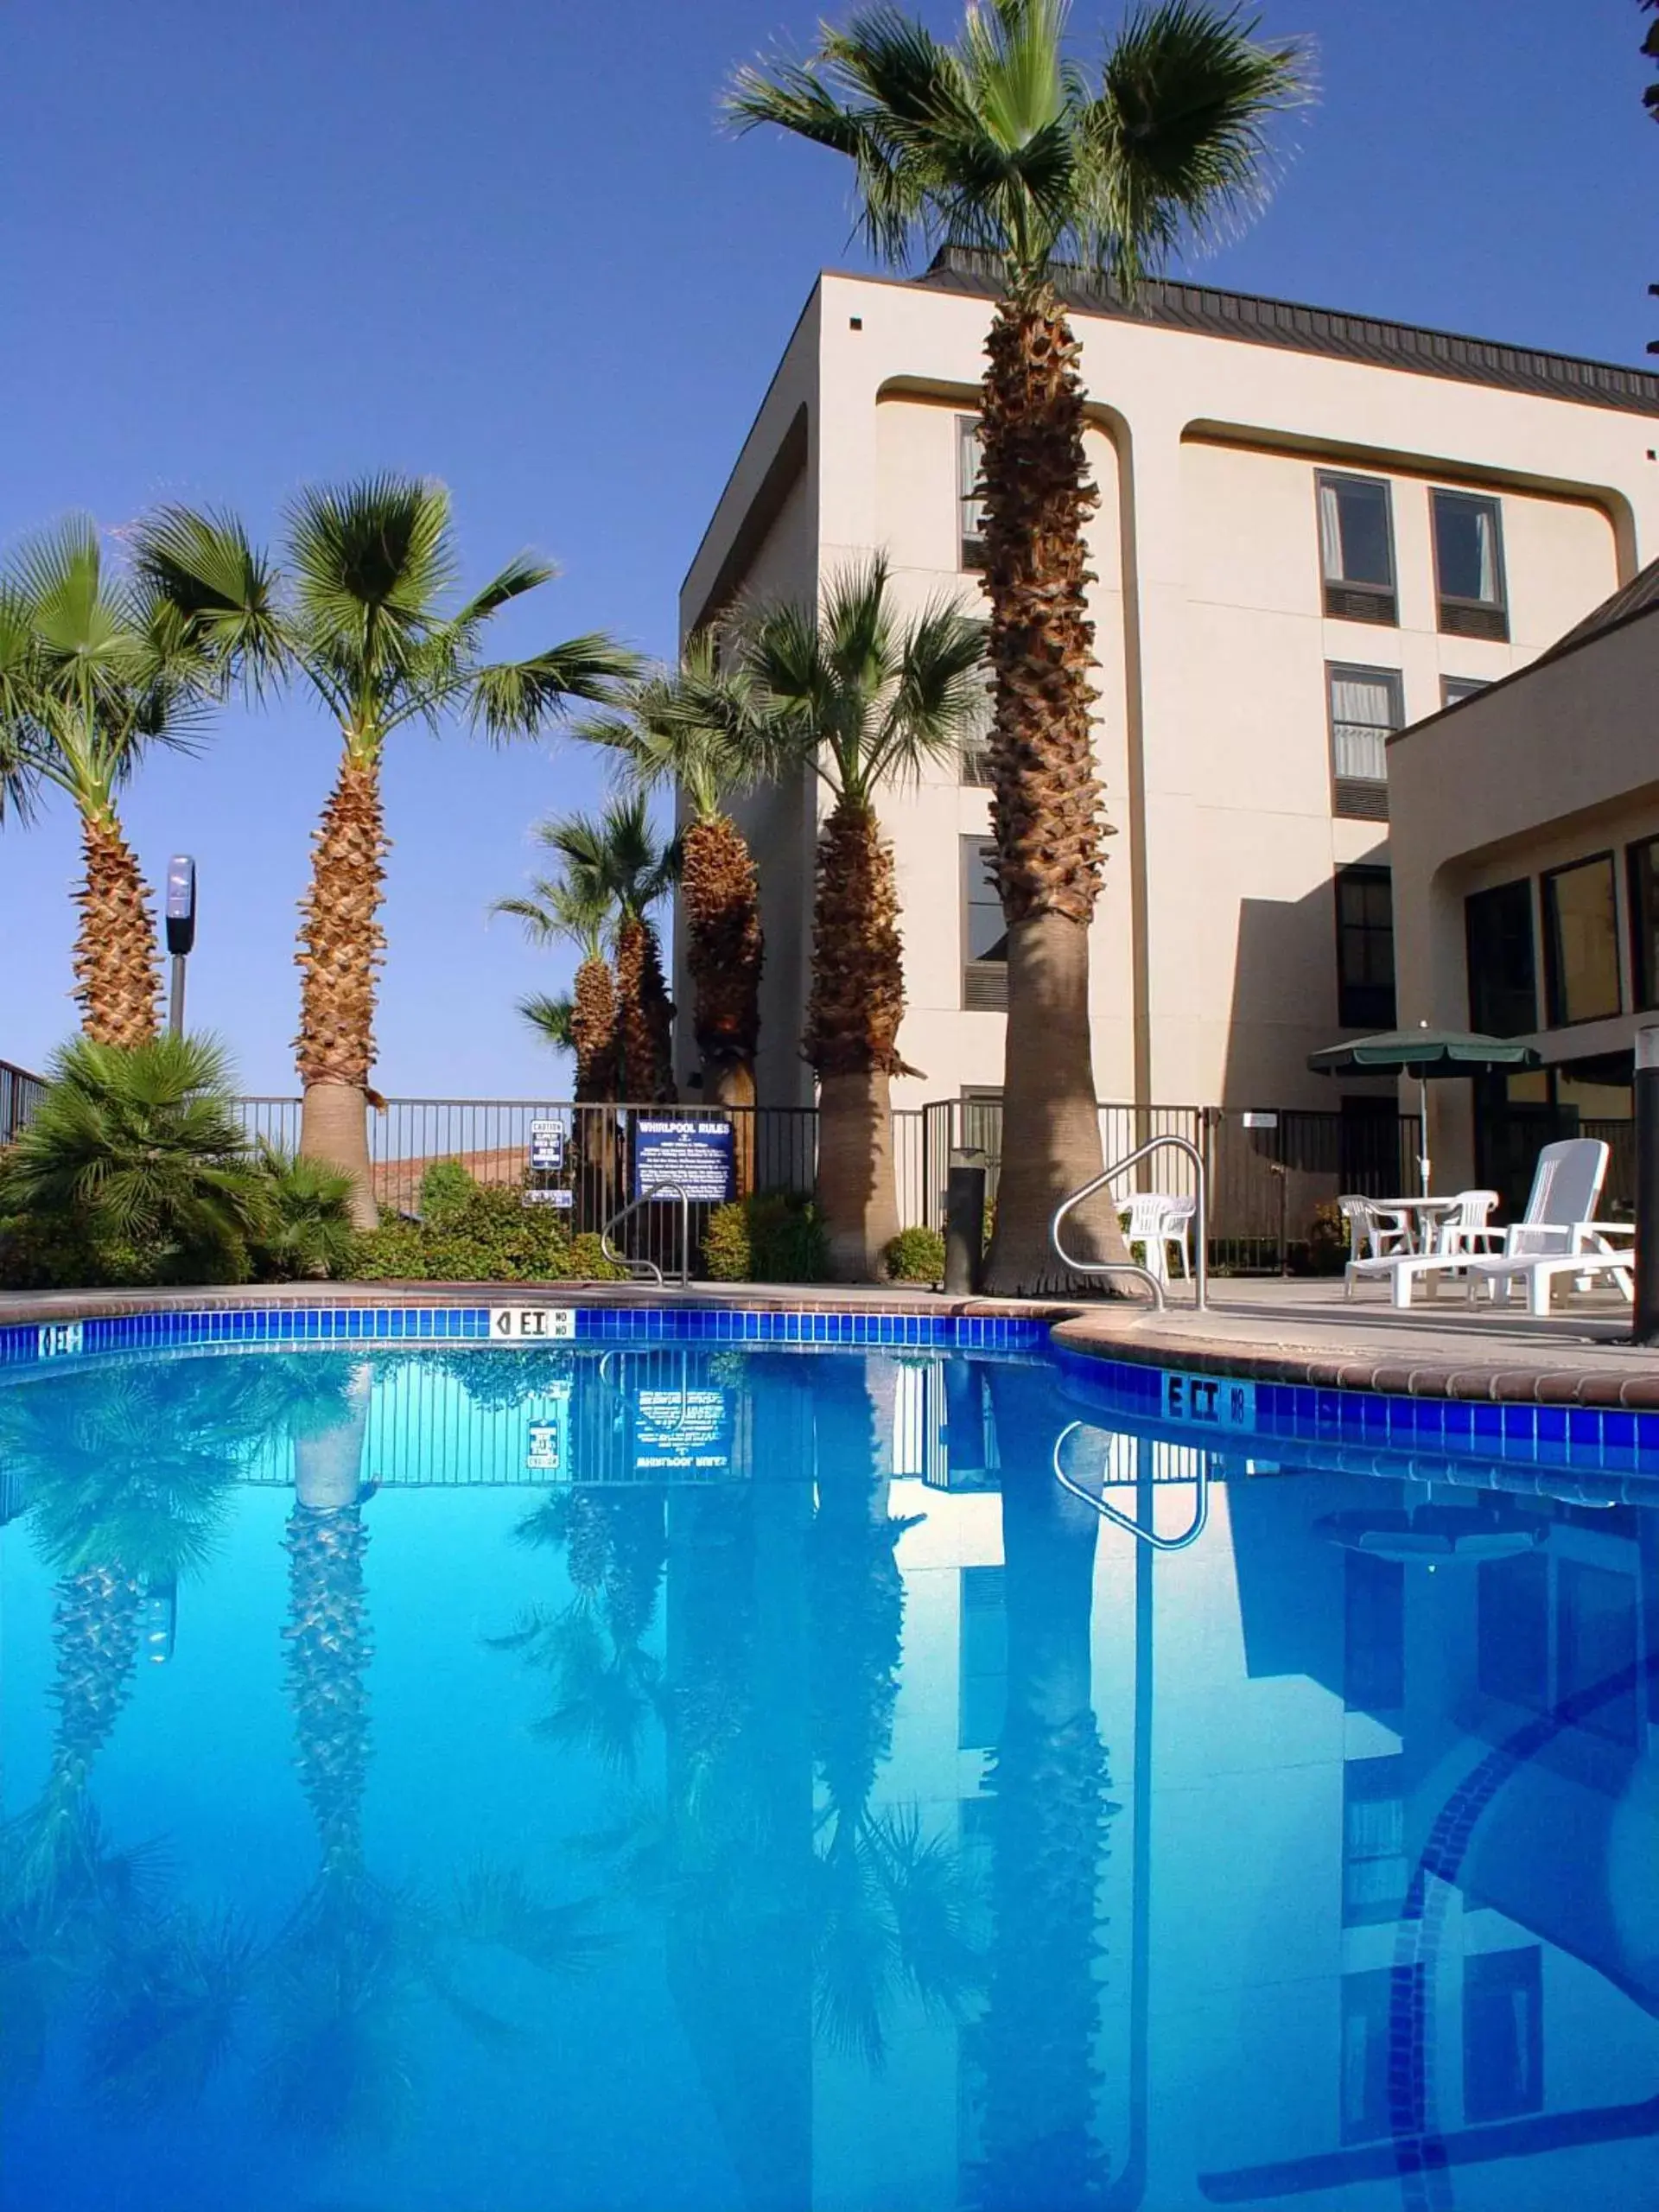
<point>1426,1053</point>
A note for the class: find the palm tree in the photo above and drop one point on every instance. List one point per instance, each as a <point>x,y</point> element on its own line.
<point>141,1149</point>
<point>584,1024</point>
<point>94,667</point>
<point>615,863</point>
<point>1003,144</point>
<point>863,697</point>
<point>695,728</point>
<point>363,617</point>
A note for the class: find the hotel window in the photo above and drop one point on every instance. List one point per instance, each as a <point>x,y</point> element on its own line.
<point>971,506</point>
<point>1644,923</point>
<point>1502,2034</point>
<point>1598,1650</point>
<point>1456,689</point>
<point>1502,989</point>
<point>1357,548</point>
<point>1377,2097</point>
<point>1581,942</point>
<point>1512,1630</point>
<point>973,751</point>
<point>1374,1867</point>
<point>1364,948</point>
<point>1365,706</point>
<point>982,1659</point>
<point>1374,1633</point>
<point>1469,566</point>
<point>984,932</point>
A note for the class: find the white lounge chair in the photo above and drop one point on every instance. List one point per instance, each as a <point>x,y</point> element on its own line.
<point>1559,1225</point>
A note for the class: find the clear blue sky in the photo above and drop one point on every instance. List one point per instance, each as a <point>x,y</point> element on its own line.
<point>503,242</point>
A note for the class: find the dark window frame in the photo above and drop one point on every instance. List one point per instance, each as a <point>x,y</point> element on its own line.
<point>1502,1974</point>
<point>971,506</point>
<point>1455,614</point>
<point>1465,686</point>
<point>1360,1002</point>
<point>1555,1018</point>
<point>1344,600</point>
<point>979,978</point>
<point>1641,898</point>
<point>1479,1017</point>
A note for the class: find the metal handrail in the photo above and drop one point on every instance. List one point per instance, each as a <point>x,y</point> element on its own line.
<point>1200,1510</point>
<point>646,1199</point>
<point>1200,1224</point>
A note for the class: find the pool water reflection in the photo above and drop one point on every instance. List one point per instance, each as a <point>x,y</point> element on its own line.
<point>499,1781</point>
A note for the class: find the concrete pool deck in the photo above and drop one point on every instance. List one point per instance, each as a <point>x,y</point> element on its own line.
<point>1297,1330</point>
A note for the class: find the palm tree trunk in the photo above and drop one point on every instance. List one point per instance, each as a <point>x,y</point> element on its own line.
<point>117,975</point>
<point>327,1634</point>
<point>643,1011</point>
<point>852,1037</point>
<point>721,899</point>
<point>1048,801</point>
<point>593,1032</point>
<point>342,946</point>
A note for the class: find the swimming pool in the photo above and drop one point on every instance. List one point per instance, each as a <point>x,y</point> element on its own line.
<point>658,1770</point>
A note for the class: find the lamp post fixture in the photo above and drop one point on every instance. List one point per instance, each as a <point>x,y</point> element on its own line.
<point>180,932</point>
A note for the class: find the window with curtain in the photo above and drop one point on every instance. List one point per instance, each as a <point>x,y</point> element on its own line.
<point>1644,861</point>
<point>1365,706</point>
<point>1357,548</point>
<point>984,932</point>
<point>1372,2105</point>
<point>1364,948</point>
<point>1581,942</point>
<point>1503,981</point>
<point>1374,1866</point>
<point>970,507</point>
<point>973,750</point>
<point>1469,565</point>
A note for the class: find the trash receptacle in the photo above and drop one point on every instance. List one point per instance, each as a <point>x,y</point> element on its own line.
<point>964,1222</point>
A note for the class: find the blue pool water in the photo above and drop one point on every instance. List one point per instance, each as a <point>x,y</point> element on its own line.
<point>637,1778</point>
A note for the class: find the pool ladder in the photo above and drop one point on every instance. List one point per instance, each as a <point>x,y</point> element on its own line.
<point>644,1267</point>
<point>1200,1223</point>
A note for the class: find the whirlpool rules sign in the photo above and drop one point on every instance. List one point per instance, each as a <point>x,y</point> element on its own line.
<point>690,1156</point>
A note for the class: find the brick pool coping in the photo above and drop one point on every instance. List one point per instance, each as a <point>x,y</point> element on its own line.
<point>1261,1349</point>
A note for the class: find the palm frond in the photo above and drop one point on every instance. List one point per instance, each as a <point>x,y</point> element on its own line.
<point>205,567</point>
<point>550,1017</point>
<point>513,699</point>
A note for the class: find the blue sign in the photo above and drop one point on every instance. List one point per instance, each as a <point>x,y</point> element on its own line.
<point>693,1155</point>
<point>546,1146</point>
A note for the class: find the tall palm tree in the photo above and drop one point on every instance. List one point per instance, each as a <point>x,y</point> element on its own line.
<point>95,666</point>
<point>863,697</point>
<point>695,728</point>
<point>1003,143</point>
<point>364,615</point>
<point>584,1024</point>
<point>616,862</point>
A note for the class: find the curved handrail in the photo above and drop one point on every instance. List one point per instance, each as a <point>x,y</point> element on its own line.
<point>645,1199</point>
<point>1200,1510</point>
<point>1200,1223</point>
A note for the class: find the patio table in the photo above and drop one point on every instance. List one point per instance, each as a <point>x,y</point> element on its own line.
<point>1418,1217</point>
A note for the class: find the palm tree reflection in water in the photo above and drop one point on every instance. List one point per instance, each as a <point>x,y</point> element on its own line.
<point>1034,2049</point>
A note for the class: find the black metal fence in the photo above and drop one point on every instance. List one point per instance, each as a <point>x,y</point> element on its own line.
<point>20,1093</point>
<point>1269,1173</point>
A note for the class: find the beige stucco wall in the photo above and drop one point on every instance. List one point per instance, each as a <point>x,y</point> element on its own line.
<point>1214,945</point>
<point>1559,764</point>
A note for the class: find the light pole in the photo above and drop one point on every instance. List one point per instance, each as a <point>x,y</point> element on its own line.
<point>180,932</point>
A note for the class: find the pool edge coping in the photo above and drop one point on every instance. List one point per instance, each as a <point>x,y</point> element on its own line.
<point>1112,1332</point>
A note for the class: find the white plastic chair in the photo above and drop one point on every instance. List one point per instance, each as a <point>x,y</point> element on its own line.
<point>1158,1221</point>
<point>1374,1233</point>
<point>1470,1228</point>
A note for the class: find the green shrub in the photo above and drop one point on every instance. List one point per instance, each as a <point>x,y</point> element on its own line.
<point>770,1236</point>
<point>445,1188</point>
<point>1327,1240</point>
<point>588,1263</point>
<point>916,1255</point>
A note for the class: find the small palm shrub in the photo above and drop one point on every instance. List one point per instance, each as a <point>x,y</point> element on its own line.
<point>134,1169</point>
<point>916,1255</point>
<point>770,1236</point>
